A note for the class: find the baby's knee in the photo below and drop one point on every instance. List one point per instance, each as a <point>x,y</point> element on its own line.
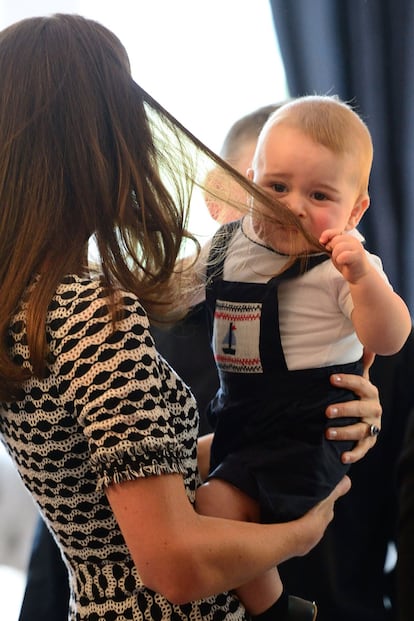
<point>221,499</point>
<point>207,502</point>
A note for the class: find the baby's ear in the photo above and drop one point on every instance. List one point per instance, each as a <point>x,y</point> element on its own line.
<point>358,210</point>
<point>250,174</point>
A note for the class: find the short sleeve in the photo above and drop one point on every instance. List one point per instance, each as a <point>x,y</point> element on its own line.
<point>118,388</point>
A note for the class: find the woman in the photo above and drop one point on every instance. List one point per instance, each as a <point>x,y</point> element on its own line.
<point>101,429</point>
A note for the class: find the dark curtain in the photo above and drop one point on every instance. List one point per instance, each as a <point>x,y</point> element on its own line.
<point>363,51</point>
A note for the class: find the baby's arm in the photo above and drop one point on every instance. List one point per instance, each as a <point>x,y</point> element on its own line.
<point>380,317</point>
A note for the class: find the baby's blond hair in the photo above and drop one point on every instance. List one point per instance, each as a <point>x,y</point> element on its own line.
<point>332,123</point>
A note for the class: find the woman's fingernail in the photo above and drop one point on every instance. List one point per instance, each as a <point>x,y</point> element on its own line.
<point>337,379</point>
<point>332,412</point>
<point>332,434</point>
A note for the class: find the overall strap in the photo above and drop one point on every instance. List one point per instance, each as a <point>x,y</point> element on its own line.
<point>218,251</point>
<point>301,266</point>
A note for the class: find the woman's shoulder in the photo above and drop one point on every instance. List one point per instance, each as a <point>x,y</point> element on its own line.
<point>85,298</point>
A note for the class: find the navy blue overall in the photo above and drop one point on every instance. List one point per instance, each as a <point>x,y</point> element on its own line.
<point>269,422</point>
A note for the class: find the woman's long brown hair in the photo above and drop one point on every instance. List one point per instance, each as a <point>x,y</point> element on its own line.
<point>85,153</point>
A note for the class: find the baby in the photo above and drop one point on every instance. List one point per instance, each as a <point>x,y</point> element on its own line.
<point>277,339</point>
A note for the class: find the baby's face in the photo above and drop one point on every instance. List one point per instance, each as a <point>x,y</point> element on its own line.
<point>319,186</point>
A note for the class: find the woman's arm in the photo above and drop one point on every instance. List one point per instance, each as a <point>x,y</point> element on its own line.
<point>186,556</point>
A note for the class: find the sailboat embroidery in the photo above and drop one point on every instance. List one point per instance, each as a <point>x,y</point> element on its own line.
<point>236,336</point>
<point>229,341</point>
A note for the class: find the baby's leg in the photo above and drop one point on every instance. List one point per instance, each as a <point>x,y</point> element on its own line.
<point>221,499</point>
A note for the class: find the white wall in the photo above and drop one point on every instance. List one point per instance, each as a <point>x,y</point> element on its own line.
<point>207,61</point>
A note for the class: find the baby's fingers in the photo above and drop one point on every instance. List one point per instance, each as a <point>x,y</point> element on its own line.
<point>328,235</point>
<point>343,255</point>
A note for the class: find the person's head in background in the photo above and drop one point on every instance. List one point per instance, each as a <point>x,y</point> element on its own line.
<point>314,154</point>
<point>240,141</point>
<point>237,150</point>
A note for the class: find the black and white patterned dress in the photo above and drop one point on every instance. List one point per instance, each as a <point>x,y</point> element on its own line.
<point>109,409</point>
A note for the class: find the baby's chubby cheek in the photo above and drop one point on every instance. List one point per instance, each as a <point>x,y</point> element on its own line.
<point>317,225</point>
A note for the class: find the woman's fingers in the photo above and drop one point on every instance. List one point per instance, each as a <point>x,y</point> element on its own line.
<point>359,451</point>
<point>318,518</point>
<point>341,489</point>
<point>367,408</point>
<point>368,358</point>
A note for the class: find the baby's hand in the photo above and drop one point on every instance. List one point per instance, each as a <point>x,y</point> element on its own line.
<point>347,254</point>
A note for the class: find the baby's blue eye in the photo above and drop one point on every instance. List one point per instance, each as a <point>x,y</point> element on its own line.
<point>279,187</point>
<point>319,196</point>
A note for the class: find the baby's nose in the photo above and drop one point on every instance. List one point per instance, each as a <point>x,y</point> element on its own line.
<point>297,205</point>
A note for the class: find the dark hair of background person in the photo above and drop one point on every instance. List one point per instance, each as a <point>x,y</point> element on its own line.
<point>244,130</point>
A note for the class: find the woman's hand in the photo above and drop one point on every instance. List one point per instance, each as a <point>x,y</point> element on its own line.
<point>367,408</point>
<point>314,523</point>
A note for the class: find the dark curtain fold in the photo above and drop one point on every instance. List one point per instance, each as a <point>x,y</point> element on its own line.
<point>363,51</point>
